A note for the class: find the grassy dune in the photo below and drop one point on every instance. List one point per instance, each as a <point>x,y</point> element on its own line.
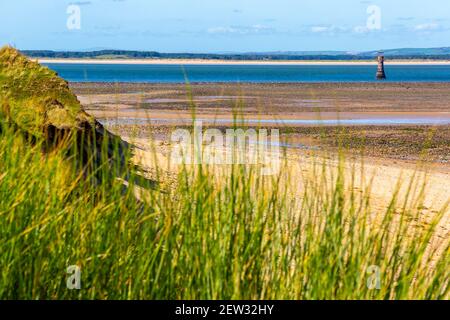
<point>35,96</point>
<point>238,236</point>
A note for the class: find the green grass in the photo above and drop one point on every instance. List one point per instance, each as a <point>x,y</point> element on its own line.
<point>204,238</point>
<point>35,96</point>
<point>239,236</point>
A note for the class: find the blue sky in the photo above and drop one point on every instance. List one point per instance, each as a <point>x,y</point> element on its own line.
<point>224,25</point>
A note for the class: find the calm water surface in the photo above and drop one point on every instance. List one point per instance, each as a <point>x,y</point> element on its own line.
<point>247,73</point>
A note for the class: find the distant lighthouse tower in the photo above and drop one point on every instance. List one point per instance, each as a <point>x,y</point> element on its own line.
<point>380,71</point>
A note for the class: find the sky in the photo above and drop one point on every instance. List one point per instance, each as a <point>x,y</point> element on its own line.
<point>224,25</point>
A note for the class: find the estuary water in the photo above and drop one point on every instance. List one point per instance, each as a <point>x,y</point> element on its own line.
<point>147,73</point>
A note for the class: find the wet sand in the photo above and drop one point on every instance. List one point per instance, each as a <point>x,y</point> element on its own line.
<point>268,99</point>
<point>155,109</point>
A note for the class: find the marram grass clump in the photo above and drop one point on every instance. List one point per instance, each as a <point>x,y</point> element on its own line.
<point>240,237</point>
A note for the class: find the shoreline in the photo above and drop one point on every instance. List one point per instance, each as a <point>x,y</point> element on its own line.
<point>234,62</point>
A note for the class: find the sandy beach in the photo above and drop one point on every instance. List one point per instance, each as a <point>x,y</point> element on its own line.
<point>391,151</point>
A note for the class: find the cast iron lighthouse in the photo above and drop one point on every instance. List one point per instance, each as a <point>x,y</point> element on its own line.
<point>380,71</point>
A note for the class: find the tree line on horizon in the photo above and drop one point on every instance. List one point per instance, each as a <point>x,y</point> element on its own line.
<point>125,54</point>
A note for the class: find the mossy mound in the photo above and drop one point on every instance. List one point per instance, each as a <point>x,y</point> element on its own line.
<point>35,98</point>
<point>37,103</point>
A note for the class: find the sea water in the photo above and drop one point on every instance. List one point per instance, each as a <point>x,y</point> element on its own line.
<point>148,73</point>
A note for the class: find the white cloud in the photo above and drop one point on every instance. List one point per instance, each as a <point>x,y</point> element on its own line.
<point>318,29</point>
<point>221,30</point>
<point>328,29</point>
<point>361,29</point>
<point>243,30</point>
<point>427,27</point>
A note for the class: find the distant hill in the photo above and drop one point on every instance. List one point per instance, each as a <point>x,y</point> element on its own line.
<point>419,52</point>
<point>404,54</point>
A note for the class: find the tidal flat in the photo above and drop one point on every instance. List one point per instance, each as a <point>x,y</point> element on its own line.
<point>146,113</point>
<point>392,121</point>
